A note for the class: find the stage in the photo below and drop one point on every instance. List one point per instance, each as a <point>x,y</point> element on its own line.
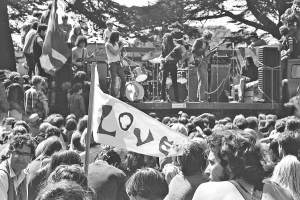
<point>220,109</point>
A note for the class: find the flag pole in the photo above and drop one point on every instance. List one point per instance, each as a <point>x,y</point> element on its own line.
<point>90,116</point>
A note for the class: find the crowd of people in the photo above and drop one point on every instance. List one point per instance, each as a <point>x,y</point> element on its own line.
<point>42,153</point>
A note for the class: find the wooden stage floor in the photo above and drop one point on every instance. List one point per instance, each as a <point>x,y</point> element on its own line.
<point>218,108</point>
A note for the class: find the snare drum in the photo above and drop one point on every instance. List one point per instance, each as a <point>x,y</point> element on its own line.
<point>134,91</point>
<point>140,74</point>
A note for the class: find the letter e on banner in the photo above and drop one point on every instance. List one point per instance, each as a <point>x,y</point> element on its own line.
<point>165,145</point>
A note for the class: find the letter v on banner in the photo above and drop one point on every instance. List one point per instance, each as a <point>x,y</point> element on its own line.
<point>120,125</point>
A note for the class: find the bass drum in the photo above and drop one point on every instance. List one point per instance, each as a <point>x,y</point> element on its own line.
<point>182,92</point>
<point>134,91</point>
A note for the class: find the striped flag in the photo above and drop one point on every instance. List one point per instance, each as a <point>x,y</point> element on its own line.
<point>55,49</point>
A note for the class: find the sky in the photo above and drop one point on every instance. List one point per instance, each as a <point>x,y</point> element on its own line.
<point>135,2</point>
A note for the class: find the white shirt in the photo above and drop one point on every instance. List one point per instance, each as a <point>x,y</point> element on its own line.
<point>4,182</point>
<point>111,57</point>
<point>106,35</point>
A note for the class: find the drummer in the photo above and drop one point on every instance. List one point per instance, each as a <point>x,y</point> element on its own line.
<point>173,52</point>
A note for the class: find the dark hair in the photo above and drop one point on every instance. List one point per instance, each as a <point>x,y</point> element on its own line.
<point>66,157</point>
<point>79,77</point>
<point>19,130</point>
<point>81,39</point>
<point>23,124</point>
<point>64,190</point>
<point>18,141</point>
<point>130,157</point>
<point>193,159</point>
<point>70,173</point>
<point>147,183</point>
<point>76,87</point>
<point>64,17</point>
<point>111,157</point>
<point>168,44</point>
<point>289,143</point>
<point>56,120</point>
<point>82,124</point>
<point>243,157</point>
<point>37,80</point>
<point>292,124</point>
<point>41,27</point>
<point>71,124</point>
<point>35,25</point>
<point>252,122</point>
<point>114,37</point>
<point>51,145</point>
<point>250,61</point>
<point>75,141</point>
<point>52,131</point>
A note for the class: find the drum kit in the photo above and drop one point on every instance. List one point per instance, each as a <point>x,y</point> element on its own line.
<point>143,82</point>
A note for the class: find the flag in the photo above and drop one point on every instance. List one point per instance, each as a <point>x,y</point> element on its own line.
<point>55,49</point>
<point>118,124</point>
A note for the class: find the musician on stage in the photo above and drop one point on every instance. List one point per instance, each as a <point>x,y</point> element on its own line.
<point>173,52</point>
<point>113,49</point>
<point>79,53</point>
<point>200,50</point>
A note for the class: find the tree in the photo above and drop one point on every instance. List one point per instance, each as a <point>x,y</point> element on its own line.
<point>266,13</point>
<point>7,57</point>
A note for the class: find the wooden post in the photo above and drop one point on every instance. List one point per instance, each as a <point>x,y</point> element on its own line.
<point>90,115</point>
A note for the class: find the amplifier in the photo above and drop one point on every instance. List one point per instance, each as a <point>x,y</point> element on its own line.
<point>269,73</point>
<point>293,76</point>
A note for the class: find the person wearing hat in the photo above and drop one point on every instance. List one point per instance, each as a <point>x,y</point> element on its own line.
<point>4,105</point>
<point>107,32</point>
<point>256,41</point>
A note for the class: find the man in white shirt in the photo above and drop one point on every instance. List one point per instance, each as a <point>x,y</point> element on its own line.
<point>108,31</point>
<point>13,182</point>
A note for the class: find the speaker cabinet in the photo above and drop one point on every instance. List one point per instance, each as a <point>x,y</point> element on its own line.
<point>293,76</point>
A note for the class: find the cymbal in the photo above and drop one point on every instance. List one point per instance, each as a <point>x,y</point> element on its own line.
<point>151,55</point>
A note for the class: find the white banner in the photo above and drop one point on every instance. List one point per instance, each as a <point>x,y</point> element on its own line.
<point>118,124</point>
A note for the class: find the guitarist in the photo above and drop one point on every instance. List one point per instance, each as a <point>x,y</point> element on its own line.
<point>79,54</point>
<point>200,52</point>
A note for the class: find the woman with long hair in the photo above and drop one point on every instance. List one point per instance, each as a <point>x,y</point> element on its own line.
<point>285,181</point>
<point>113,50</point>
<point>76,31</point>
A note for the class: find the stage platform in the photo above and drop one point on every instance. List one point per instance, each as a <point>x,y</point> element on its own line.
<point>218,108</point>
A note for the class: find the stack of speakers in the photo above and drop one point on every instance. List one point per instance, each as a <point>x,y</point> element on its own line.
<point>269,73</point>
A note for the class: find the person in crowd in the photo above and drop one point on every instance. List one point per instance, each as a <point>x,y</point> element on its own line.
<point>76,101</point>
<point>65,157</point>
<point>95,148</point>
<point>75,144</point>
<point>37,49</point>
<point>113,49</point>
<point>192,164</point>
<point>147,184</point>
<point>240,122</point>
<point>285,181</point>
<point>179,127</point>
<point>107,181</point>
<point>65,26</point>
<point>15,97</point>
<point>13,181</point>
<point>70,129</point>
<point>64,190</point>
<point>28,48</point>
<point>82,124</point>
<point>246,172</point>
<point>133,162</point>
<point>80,54</point>
<point>75,33</point>
<point>35,100</point>
<point>201,52</point>
<point>4,105</point>
<point>46,15</point>
<point>288,144</point>
<point>177,55</point>
<point>107,32</point>
<point>111,157</point>
<point>255,40</point>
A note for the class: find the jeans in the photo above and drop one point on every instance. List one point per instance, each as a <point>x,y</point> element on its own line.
<point>115,70</point>
<point>202,81</point>
<point>172,68</point>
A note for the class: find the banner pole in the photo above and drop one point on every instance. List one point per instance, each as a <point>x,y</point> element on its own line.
<point>90,116</point>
